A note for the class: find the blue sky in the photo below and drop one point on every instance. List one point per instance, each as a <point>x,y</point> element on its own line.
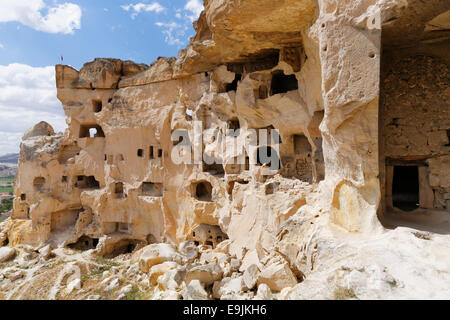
<point>35,33</point>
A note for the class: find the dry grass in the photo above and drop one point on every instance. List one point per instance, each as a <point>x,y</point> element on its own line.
<point>341,293</point>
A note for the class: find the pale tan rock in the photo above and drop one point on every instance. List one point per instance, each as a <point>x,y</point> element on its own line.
<point>129,68</point>
<point>251,258</point>
<point>189,250</point>
<point>127,289</point>
<point>228,286</point>
<point>250,276</point>
<point>16,275</point>
<point>100,73</point>
<point>3,238</point>
<point>160,70</point>
<point>206,274</point>
<point>173,279</point>
<point>195,291</point>
<point>264,292</point>
<point>169,295</point>
<point>112,285</point>
<point>214,256</point>
<point>277,275</point>
<point>235,264</point>
<point>46,251</point>
<point>40,129</point>
<point>74,284</point>
<point>6,253</point>
<point>158,270</point>
<point>65,76</point>
<point>155,254</point>
<point>238,296</point>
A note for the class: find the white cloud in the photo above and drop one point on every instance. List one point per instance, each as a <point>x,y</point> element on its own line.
<point>177,33</point>
<point>27,96</point>
<point>194,6</point>
<point>174,32</point>
<point>139,7</point>
<point>62,18</point>
<point>1,46</point>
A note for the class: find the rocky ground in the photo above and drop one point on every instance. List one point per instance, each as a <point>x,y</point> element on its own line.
<point>395,264</point>
<point>5,215</point>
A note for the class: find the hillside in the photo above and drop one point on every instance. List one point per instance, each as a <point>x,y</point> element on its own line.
<point>8,164</point>
<point>9,158</point>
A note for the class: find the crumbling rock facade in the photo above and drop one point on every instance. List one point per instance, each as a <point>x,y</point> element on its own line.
<point>357,115</point>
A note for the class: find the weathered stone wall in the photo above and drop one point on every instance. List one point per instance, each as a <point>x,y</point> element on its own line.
<point>415,122</point>
<point>118,147</point>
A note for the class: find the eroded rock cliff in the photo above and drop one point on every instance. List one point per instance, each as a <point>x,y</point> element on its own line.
<point>260,163</point>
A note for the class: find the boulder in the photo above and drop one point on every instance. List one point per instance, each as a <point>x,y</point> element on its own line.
<point>100,73</point>
<point>167,295</point>
<point>189,250</point>
<point>173,279</point>
<point>250,276</point>
<point>228,286</point>
<point>206,274</point>
<point>112,285</point>
<point>122,296</point>
<point>158,270</point>
<point>235,264</point>
<point>46,251</point>
<point>214,256</point>
<point>195,291</point>
<point>250,258</point>
<point>40,129</point>
<point>3,238</point>
<point>13,276</point>
<point>171,295</point>
<point>238,296</point>
<point>74,284</point>
<point>277,275</point>
<point>130,68</point>
<point>127,289</point>
<point>6,253</point>
<point>264,292</point>
<point>30,256</point>
<point>160,70</point>
<point>157,253</point>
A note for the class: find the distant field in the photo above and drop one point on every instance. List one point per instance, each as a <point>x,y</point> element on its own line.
<point>6,189</point>
<point>7,179</point>
<point>6,184</point>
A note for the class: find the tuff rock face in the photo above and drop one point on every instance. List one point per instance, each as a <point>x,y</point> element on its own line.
<point>355,97</point>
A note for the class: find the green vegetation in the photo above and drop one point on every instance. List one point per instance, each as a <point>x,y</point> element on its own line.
<point>9,179</point>
<point>341,293</point>
<point>57,263</point>
<point>7,184</point>
<point>6,205</point>
<point>393,283</point>
<point>107,263</point>
<point>136,294</point>
<point>7,189</point>
<point>97,271</point>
